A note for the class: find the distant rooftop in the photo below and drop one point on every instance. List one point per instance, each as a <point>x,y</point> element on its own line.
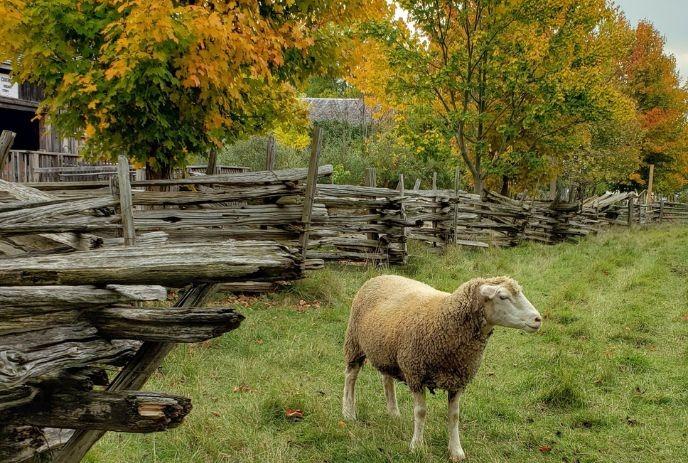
<point>351,110</point>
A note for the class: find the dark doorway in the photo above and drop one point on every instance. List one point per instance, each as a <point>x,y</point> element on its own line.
<point>19,122</point>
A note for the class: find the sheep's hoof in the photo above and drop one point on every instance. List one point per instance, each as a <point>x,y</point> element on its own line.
<point>394,413</point>
<point>349,415</point>
<point>457,456</point>
<point>416,445</point>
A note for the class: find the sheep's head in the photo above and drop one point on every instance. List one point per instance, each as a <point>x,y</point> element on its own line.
<point>506,305</point>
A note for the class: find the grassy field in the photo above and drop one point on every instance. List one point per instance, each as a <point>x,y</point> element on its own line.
<point>606,379</point>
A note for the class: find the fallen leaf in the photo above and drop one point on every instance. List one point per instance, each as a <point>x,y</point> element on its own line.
<point>215,414</point>
<point>259,341</point>
<point>341,424</point>
<point>545,449</point>
<point>293,414</point>
<point>685,318</point>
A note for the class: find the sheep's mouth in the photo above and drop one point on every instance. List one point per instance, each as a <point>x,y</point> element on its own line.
<point>533,328</point>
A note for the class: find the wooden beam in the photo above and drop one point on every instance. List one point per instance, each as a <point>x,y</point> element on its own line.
<point>6,140</point>
<point>271,153</point>
<point>123,411</point>
<point>311,182</point>
<point>36,353</point>
<point>180,325</point>
<point>168,265</point>
<point>125,203</point>
<point>133,376</point>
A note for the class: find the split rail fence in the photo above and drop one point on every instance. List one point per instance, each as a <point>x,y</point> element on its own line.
<point>84,276</point>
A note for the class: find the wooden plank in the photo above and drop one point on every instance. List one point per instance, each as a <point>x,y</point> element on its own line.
<point>311,182</point>
<point>36,353</point>
<point>132,377</point>
<point>6,140</point>
<point>271,153</point>
<point>457,182</point>
<point>180,325</point>
<point>237,179</point>
<point>167,265</point>
<point>123,411</point>
<point>125,202</point>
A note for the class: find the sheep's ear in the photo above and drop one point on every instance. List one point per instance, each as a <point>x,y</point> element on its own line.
<point>489,291</point>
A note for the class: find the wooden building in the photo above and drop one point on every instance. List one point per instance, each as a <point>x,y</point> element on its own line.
<point>18,104</point>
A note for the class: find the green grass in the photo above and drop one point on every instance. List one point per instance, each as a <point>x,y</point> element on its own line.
<point>606,380</point>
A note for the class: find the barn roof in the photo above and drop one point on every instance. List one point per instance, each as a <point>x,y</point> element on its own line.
<point>350,110</point>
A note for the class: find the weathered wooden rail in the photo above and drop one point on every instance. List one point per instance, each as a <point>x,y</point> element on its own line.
<point>82,273</point>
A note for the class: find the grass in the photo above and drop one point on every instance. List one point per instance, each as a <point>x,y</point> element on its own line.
<point>606,380</point>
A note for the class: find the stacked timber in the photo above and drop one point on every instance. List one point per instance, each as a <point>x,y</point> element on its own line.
<point>361,224</point>
<point>80,334</point>
<point>84,215</point>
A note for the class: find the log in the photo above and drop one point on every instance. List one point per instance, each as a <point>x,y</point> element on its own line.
<point>244,178</point>
<point>125,203</point>
<point>181,325</point>
<point>311,186</point>
<point>23,193</point>
<point>46,212</point>
<point>15,300</point>
<point>123,411</point>
<point>169,265</point>
<point>6,140</point>
<point>36,353</point>
<point>133,376</point>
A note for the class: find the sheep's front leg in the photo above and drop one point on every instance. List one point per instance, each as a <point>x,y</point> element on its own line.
<point>390,395</point>
<point>456,453</point>
<point>419,414</point>
<point>349,399</point>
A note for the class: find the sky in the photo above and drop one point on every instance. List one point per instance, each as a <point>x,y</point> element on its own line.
<point>670,18</point>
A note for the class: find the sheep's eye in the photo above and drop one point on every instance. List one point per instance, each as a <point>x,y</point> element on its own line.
<point>504,297</point>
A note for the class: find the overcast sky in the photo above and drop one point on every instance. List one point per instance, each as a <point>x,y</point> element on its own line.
<point>670,17</point>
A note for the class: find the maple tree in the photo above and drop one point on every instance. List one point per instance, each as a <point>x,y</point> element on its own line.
<point>506,84</point>
<point>162,79</point>
<point>652,80</point>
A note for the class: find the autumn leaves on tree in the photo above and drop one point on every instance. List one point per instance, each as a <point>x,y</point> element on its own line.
<point>161,80</point>
<point>518,91</point>
<point>527,90</point>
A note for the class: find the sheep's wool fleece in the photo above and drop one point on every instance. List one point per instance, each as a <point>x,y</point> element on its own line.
<point>417,334</point>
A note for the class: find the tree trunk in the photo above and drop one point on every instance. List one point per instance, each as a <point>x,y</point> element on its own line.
<point>505,186</point>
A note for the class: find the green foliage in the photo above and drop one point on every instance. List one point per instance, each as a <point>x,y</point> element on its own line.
<point>161,81</point>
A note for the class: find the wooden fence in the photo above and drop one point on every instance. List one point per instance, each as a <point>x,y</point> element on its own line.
<point>79,263</point>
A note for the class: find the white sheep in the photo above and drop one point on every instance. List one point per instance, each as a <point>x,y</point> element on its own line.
<point>429,339</point>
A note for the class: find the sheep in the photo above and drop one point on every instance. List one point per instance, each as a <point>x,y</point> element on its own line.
<point>427,338</point>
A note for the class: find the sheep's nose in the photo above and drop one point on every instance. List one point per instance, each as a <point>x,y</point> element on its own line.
<point>538,319</point>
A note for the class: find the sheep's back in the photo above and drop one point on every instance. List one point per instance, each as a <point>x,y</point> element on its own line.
<point>388,312</point>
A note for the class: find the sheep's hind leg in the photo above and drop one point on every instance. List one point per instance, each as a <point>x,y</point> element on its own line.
<point>349,399</point>
<point>419,414</point>
<point>456,453</point>
<point>390,395</point>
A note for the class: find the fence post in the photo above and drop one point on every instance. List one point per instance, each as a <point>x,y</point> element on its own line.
<point>311,181</point>
<point>416,186</point>
<point>370,180</point>
<point>455,224</point>
<point>6,140</point>
<point>661,209</point>
<point>630,212</point>
<point>271,154</point>
<point>126,208</point>
<point>650,182</point>
<point>402,211</point>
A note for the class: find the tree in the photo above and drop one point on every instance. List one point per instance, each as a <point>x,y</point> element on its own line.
<point>163,79</point>
<point>653,82</point>
<point>507,83</point>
